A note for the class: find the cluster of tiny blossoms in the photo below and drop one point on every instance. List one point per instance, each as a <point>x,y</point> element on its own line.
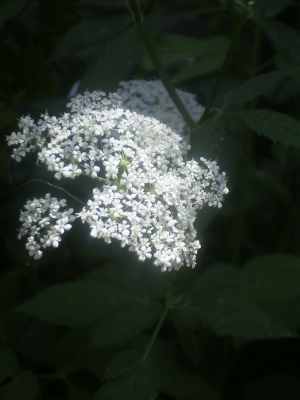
<point>146,195</point>
<point>151,98</point>
<point>44,223</point>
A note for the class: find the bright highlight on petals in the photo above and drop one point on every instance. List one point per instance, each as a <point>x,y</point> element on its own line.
<point>146,195</point>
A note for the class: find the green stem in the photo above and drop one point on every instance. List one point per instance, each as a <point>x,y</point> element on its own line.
<point>134,7</point>
<point>156,331</point>
<point>229,54</point>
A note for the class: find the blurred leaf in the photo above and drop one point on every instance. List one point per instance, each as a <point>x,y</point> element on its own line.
<point>175,380</point>
<point>285,39</point>
<point>75,303</point>
<point>38,339</point>
<point>90,33</point>
<point>107,3</point>
<point>207,140</point>
<point>76,394</point>
<point>275,387</point>
<point>264,4</point>
<point>10,10</point>
<point>202,66</point>
<point>127,321</point>
<point>9,366</point>
<point>114,61</point>
<point>216,300</point>
<point>24,386</point>
<point>274,277</point>
<point>71,349</point>
<point>130,377</point>
<point>259,85</point>
<point>97,359</point>
<point>177,48</point>
<point>281,63</point>
<point>274,125</point>
<point>143,280</point>
<point>284,313</point>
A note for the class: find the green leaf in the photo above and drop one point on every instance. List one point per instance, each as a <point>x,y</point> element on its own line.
<point>281,63</point>
<point>130,377</point>
<point>9,365</point>
<point>285,39</point>
<point>126,322</point>
<point>71,349</point>
<point>208,137</point>
<point>75,303</point>
<point>90,33</point>
<point>24,386</point>
<point>177,48</point>
<point>216,300</point>
<point>116,57</point>
<point>145,281</point>
<point>259,85</point>
<point>175,379</point>
<point>274,125</point>
<point>201,66</point>
<point>274,277</point>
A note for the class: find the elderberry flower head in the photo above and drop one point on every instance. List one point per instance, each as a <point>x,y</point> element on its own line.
<point>146,195</point>
<point>151,98</point>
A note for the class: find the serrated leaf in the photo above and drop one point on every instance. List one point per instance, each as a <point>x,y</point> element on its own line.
<point>284,38</point>
<point>274,125</point>
<point>126,322</point>
<point>177,48</point>
<point>75,303</point>
<point>91,32</point>
<point>216,300</point>
<point>130,377</point>
<point>24,386</point>
<point>259,85</point>
<point>274,277</point>
<point>114,60</point>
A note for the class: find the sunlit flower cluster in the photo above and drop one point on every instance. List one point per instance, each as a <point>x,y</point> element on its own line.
<point>146,195</point>
<point>151,98</point>
<point>43,223</point>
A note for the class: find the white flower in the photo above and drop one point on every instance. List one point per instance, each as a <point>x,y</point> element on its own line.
<point>44,222</point>
<point>150,195</point>
<point>150,98</point>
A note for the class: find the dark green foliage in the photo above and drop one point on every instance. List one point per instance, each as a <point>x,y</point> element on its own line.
<point>89,321</point>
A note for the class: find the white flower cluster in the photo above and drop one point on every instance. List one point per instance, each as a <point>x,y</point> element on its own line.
<point>151,98</point>
<point>145,194</point>
<point>44,223</point>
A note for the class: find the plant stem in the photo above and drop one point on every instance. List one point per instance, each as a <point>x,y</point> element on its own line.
<point>230,51</point>
<point>156,331</point>
<point>134,7</point>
